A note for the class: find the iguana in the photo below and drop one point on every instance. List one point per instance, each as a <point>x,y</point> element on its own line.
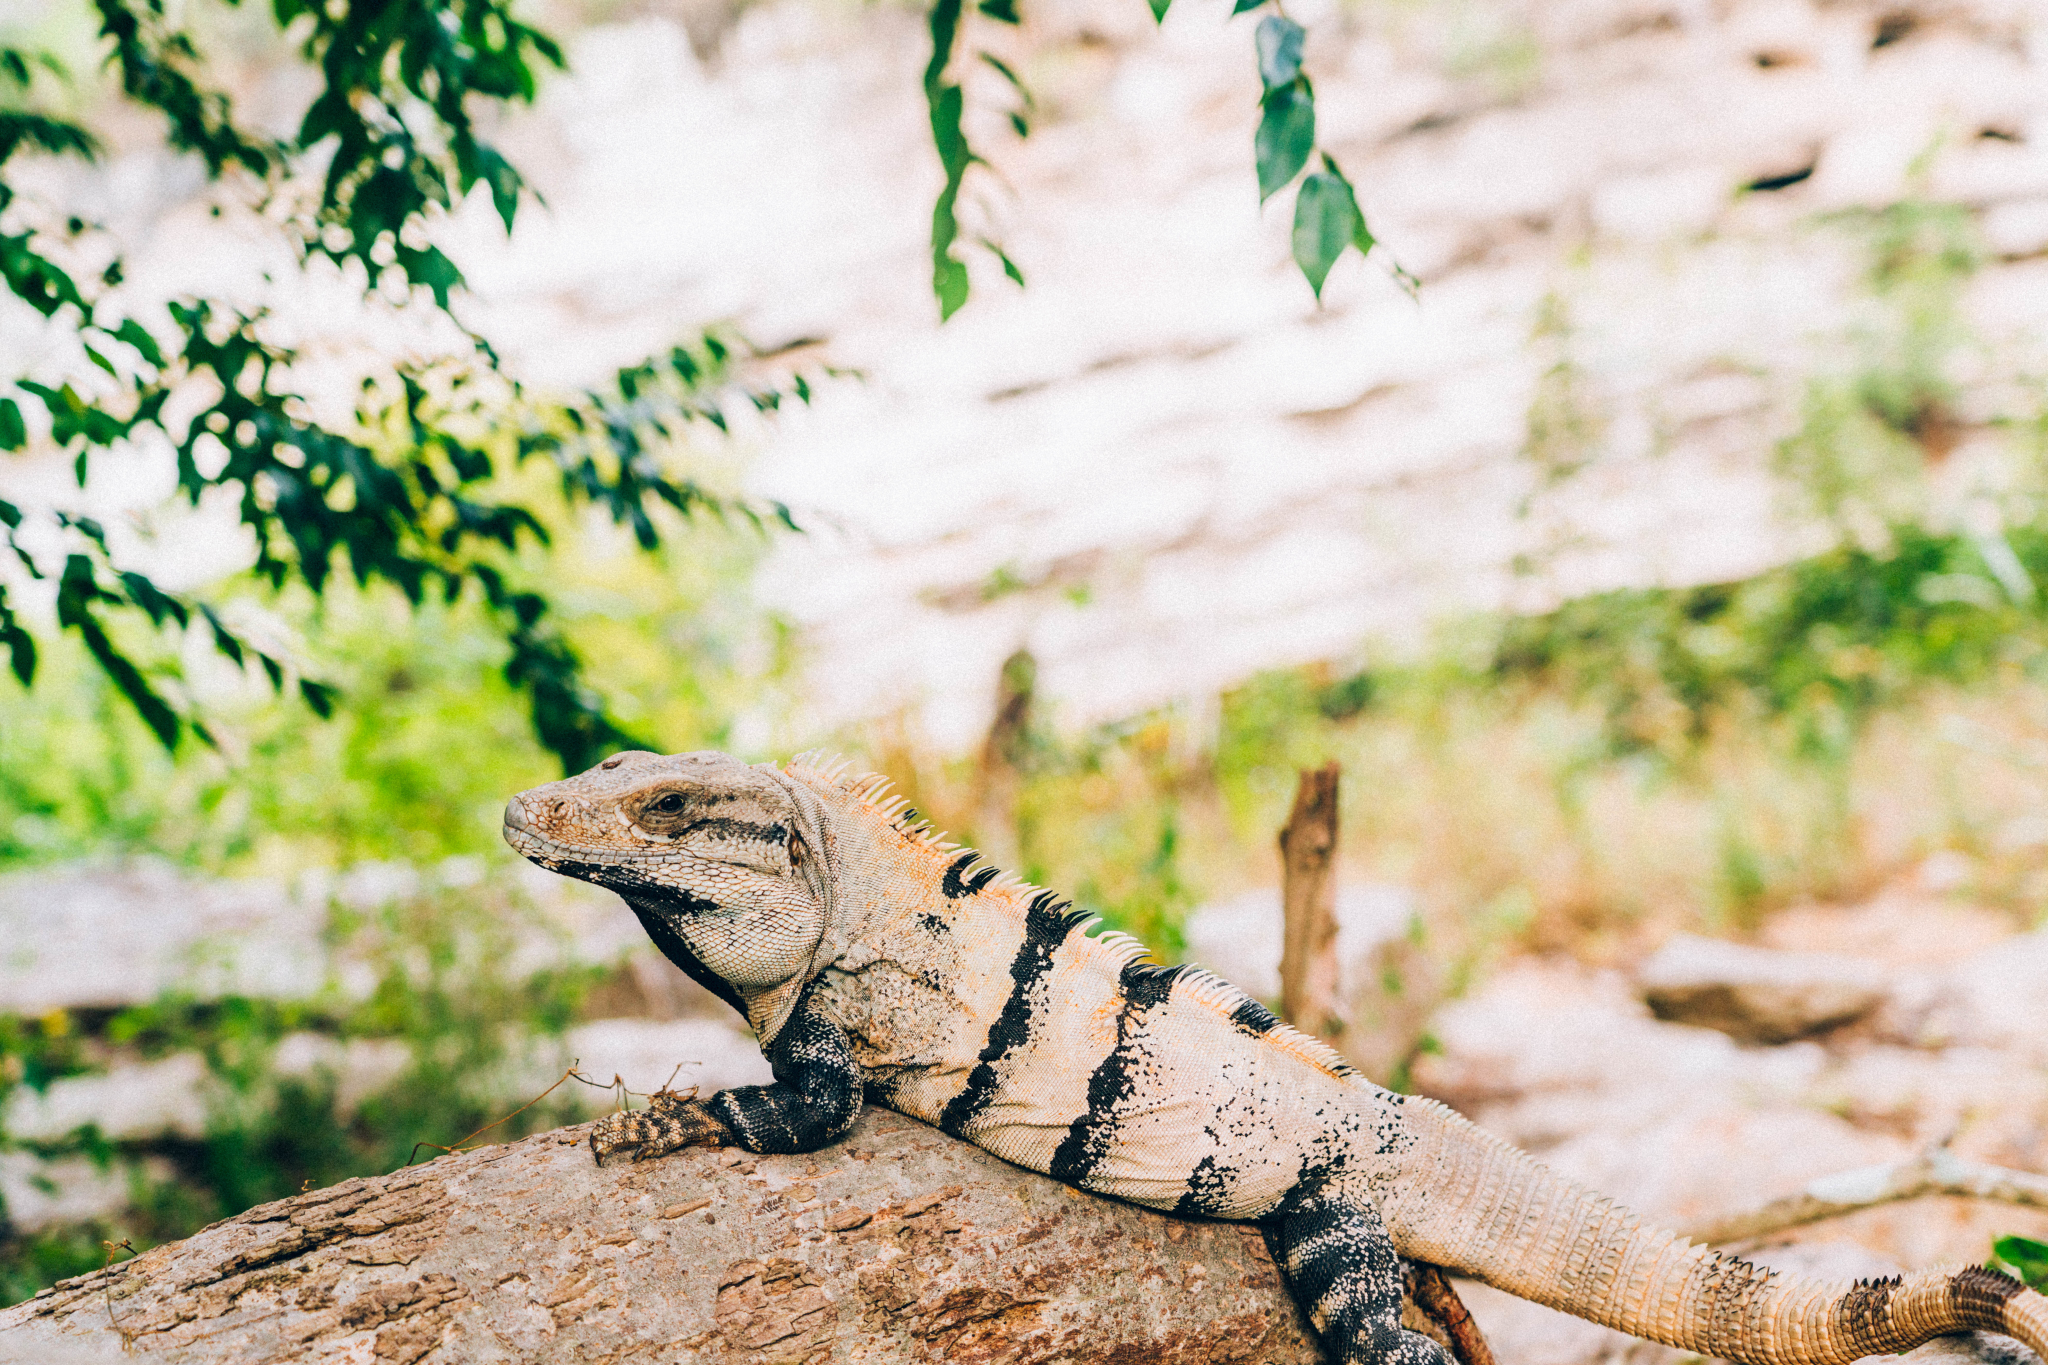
<point>874,959</point>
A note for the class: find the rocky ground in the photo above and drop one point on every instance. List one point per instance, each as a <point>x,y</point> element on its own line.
<point>1717,1076</point>
<point>1912,1022</point>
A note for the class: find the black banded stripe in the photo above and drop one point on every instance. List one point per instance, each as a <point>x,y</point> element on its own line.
<point>1090,1136</point>
<point>1208,1187</point>
<point>1253,1019</point>
<point>956,884</point>
<point>1046,926</point>
<point>746,831</point>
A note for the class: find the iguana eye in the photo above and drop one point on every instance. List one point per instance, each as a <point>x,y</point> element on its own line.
<point>667,805</point>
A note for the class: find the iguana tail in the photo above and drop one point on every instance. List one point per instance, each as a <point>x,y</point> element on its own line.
<point>1475,1205</point>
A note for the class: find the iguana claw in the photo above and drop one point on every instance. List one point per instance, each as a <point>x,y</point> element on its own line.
<point>672,1120</point>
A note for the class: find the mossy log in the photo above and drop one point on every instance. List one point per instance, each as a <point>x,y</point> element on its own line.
<point>899,1244</point>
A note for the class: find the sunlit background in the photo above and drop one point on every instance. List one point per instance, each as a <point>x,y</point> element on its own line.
<point>1652,526</point>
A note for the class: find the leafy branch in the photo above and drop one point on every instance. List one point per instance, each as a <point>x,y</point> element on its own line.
<point>946,103</point>
<point>412,494</point>
<point>1327,218</point>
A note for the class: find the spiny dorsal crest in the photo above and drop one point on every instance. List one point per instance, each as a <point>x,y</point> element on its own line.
<point>872,791</point>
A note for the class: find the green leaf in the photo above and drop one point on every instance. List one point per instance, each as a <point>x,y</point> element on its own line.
<point>1003,69</point>
<point>76,591</point>
<point>19,129</point>
<point>13,430</point>
<point>34,279</point>
<point>1326,220</point>
<point>1159,8</point>
<point>1278,41</point>
<point>319,696</point>
<point>433,269</point>
<point>1245,6</point>
<point>223,639</point>
<point>1286,136</point>
<point>160,605</point>
<point>2024,1255</point>
<point>1009,266</point>
<point>949,282</point>
<point>1362,238</point>
<point>945,102</point>
<point>21,646</point>
<point>136,335</point>
<point>1002,11</point>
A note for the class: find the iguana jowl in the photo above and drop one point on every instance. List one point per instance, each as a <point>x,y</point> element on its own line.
<point>872,958</point>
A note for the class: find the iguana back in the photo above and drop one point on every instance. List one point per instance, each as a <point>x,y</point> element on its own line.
<point>872,957</point>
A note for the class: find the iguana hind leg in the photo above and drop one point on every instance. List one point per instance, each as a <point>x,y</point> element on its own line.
<point>1342,1268</point>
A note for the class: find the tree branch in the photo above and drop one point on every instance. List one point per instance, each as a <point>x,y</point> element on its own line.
<point>1936,1171</point>
<point>901,1242</point>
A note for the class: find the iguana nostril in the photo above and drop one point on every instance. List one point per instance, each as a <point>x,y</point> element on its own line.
<point>515,815</point>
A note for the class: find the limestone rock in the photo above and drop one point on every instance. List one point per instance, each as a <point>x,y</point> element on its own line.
<point>1758,995</point>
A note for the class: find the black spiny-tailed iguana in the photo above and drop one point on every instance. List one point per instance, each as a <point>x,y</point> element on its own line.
<point>872,958</point>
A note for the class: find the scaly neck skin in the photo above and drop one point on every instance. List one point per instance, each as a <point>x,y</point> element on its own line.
<point>898,966</point>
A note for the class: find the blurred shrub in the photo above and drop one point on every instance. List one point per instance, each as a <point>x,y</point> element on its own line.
<point>1818,643</point>
<point>418,763</point>
<point>476,1038</point>
<point>1873,426</point>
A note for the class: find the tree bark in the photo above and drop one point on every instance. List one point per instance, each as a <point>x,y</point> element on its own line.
<point>899,1245</point>
<point>1308,901</point>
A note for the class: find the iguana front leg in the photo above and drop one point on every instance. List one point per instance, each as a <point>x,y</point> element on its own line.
<point>815,1099</point>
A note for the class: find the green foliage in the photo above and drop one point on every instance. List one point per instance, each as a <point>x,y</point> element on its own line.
<point>949,275</point>
<point>417,765</point>
<point>2023,1258</point>
<point>1327,219</point>
<point>1868,433</point>
<point>1287,124</point>
<point>1820,642</point>
<point>1564,426</point>
<point>415,492</point>
<point>946,103</point>
<point>1702,753</point>
<point>30,1263</point>
<point>474,1034</point>
<point>1080,830</point>
<point>34,1052</point>
<point>1326,222</point>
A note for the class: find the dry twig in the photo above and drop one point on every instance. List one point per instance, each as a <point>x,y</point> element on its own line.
<point>1937,1171</point>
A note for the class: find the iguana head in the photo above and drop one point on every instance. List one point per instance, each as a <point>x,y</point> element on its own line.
<point>723,862</point>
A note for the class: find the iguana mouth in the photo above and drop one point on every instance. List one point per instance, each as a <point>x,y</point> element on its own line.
<point>530,843</point>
